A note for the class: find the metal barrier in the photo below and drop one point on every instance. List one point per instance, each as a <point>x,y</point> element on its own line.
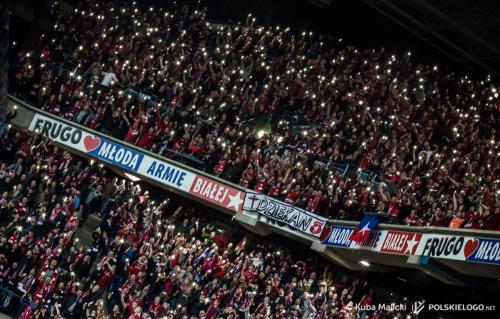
<point>12,303</point>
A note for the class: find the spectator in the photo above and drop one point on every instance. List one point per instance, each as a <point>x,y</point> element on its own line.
<point>147,260</point>
<point>179,84</point>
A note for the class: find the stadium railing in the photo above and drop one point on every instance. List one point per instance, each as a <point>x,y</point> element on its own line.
<point>11,302</point>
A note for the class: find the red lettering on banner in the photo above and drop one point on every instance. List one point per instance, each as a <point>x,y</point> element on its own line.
<point>217,193</point>
<point>401,243</point>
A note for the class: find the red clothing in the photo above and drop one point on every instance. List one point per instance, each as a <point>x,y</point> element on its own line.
<point>220,166</point>
<point>55,109</point>
<point>54,214</point>
<point>176,101</point>
<point>249,275</point>
<point>292,197</point>
<point>21,209</point>
<point>179,145</point>
<point>438,221</point>
<point>131,309</point>
<point>146,140</point>
<point>155,309</point>
<point>136,267</point>
<point>105,279</point>
<point>261,184</point>
<point>393,208</point>
<point>317,203</point>
<point>132,134</point>
<point>493,223</point>
<point>95,119</point>
<point>473,220</point>
<point>413,221</point>
<point>145,121</point>
<point>275,189</point>
<point>195,149</point>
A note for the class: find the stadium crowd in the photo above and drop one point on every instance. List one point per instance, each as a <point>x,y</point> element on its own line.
<point>149,258</point>
<point>429,135</point>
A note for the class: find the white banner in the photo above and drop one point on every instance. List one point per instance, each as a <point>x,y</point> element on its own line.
<point>456,247</point>
<point>113,153</point>
<point>384,241</point>
<point>285,214</point>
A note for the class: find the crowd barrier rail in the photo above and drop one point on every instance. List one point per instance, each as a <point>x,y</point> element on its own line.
<point>11,302</point>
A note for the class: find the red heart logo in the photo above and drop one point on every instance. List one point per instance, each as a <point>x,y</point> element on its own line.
<point>327,230</point>
<point>91,143</point>
<point>470,247</point>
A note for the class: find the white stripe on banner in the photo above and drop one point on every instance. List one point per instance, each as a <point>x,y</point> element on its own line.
<point>295,218</point>
<point>113,153</point>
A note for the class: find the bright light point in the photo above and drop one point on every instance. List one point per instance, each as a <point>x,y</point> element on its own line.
<point>133,178</point>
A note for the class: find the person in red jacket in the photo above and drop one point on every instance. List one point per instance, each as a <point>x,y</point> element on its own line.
<point>133,132</point>
<point>492,222</point>
<point>293,196</point>
<point>147,139</point>
<point>222,164</point>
